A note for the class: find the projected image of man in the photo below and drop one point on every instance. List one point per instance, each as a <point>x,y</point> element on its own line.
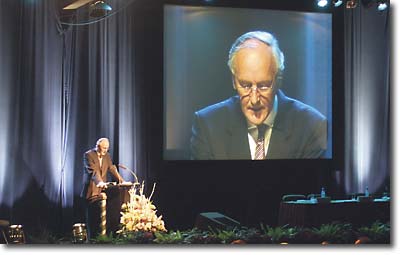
<point>260,122</point>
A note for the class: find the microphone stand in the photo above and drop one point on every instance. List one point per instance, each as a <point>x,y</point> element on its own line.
<point>130,171</point>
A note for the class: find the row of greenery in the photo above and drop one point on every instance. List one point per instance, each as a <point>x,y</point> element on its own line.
<point>335,233</point>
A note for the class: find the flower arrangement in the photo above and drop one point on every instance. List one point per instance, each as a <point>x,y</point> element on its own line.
<point>139,214</point>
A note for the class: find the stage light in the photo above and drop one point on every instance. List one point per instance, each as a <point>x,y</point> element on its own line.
<point>382,5</point>
<point>322,3</point>
<point>4,225</point>
<point>79,234</point>
<point>351,4</point>
<point>363,240</point>
<point>337,3</point>
<point>99,9</point>
<point>16,234</point>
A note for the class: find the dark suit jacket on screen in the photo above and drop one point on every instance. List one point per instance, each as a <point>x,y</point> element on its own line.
<point>93,173</point>
<point>220,131</point>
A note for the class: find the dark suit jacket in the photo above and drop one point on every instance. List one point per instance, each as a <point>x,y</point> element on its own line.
<point>93,173</point>
<point>220,131</point>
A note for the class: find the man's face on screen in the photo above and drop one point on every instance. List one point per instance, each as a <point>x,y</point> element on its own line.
<point>254,80</point>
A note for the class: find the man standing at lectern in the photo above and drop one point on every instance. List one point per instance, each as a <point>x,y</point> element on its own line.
<point>97,162</point>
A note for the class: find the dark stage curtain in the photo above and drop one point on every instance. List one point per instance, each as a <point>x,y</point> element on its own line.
<point>63,87</point>
<point>367,100</point>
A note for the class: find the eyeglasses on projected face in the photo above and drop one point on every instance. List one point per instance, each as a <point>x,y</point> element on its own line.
<point>263,87</point>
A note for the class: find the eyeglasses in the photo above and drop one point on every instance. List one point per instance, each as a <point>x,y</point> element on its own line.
<point>264,87</point>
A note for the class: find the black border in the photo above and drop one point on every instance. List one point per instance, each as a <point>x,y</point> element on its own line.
<point>175,171</point>
<point>337,51</point>
<point>185,187</point>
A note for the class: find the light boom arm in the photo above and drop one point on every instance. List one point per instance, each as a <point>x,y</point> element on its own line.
<point>77,4</point>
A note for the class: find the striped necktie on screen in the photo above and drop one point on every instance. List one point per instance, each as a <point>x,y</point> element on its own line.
<point>260,152</point>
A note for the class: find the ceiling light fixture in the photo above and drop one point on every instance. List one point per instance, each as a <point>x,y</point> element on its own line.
<point>351,4</point>
<point>337,3</point>
<point>382,5</point>
<point>99,9</point>
<point>322,3</point>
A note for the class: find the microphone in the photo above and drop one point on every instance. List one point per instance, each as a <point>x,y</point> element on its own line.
<point>129,170</point>
<point>122,166</point>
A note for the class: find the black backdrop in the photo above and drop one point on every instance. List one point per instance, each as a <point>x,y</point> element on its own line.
<point>249,191</point>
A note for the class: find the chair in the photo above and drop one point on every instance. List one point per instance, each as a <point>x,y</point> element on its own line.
<point>4,224</point>
<point>293,197</point>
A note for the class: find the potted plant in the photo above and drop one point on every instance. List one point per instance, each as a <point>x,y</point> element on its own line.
<point>335,233</point>
<point>377,233</point>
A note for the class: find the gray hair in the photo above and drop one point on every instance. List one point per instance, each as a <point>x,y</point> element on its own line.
<point>261,36</point>
<point>101,140</point>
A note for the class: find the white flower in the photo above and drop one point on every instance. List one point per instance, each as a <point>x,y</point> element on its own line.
<point>140,213</point>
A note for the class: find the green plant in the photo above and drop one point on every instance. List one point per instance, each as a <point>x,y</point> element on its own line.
<point>335,233</point>
<point>103,239</point>
<point>378,232</point>
<point>198,236</point>
<point>168,238</point>
<point>192,236</point>
<point>279,234</point>
<point>135,237</point>
<point>340,233</point>
<point>224,236</point>
<point>252,236</point>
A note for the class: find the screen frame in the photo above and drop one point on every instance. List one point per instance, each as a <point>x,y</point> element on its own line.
<point>337,58</point>
<point>186,187</point>
<point>156,142</point>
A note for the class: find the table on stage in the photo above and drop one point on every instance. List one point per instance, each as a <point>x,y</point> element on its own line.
<point>305,213</point>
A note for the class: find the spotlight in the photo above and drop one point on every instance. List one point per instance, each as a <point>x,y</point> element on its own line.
<point>351,4</point>
<point>99,9</point>
<point>322,3</point>
<point>337,3</point>
<point>16,234</point>
<point>382,5</point>
<point>79,234</point>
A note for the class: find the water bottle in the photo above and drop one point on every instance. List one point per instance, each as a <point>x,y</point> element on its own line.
<point>323,194</point>
<point>386,193</point>
<point>366,192</point>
